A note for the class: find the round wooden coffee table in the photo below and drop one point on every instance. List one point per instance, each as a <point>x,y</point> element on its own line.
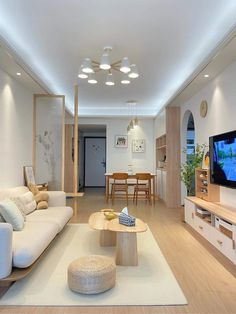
<point>98,221</point>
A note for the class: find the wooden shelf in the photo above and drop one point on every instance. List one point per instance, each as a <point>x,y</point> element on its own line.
<point>160,149</point>
<point>220,210</point>
<point>212,193</point>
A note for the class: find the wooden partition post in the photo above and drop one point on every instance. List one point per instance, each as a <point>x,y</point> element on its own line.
<point>76,90</point>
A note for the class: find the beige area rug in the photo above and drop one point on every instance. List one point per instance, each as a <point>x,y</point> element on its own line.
<point>150,283</point>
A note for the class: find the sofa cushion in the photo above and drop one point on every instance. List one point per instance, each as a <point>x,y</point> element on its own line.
<point>30,243</point>
<point>58,215</point>
<point>12,192</point>
<point>11,214</point>
<point>20,205</point>
<point>28,201</point>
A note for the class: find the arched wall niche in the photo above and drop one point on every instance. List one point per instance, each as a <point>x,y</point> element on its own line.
<point>187,141</point>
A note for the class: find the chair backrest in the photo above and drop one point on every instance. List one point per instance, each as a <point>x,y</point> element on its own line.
<point>143,176</point>
<point>120,177</point>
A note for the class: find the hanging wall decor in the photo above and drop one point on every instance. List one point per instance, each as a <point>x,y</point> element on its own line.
<point>121,141</point>
<point>139,146</point>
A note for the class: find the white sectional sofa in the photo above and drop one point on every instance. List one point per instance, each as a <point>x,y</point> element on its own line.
<point>22,248</point>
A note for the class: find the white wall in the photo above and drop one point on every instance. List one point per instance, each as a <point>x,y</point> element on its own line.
<point>16,112</point>
<point>220,94</point>
<point>118,159</point>
<point>160,124</point>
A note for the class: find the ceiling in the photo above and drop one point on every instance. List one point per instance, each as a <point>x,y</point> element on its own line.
<point>168,40</point>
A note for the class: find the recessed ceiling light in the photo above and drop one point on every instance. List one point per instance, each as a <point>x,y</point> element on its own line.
<point>206,75</point>
<point>18,73</point>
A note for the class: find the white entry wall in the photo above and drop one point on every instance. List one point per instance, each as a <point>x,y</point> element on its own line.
<point>118,159</point>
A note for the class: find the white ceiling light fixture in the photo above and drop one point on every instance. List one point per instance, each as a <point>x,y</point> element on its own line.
<point>87,66</point>
<point>92,79</point>
<point>82,74</point>
<point>206,75</point>
<point>105,59</point>
<point>125,79</point>
<point>92,67</point>
<point>133,72</point>
<point>125,65</point>
<point>110,80</point>
<point>18,73</point>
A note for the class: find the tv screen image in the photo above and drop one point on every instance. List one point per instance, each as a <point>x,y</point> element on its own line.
<point>223,159</point>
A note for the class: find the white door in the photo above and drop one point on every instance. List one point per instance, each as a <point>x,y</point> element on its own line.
<point>95,161</point>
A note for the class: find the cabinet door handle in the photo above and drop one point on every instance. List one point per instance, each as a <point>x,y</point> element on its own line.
<point>192,215</point>
<point>200,227</point>
<point>220,242</point>
<point>233,245</point>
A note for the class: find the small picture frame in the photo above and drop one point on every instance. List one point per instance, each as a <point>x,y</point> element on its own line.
<point>138,146</point>
<point>121,141</point>
<point>29,175</point>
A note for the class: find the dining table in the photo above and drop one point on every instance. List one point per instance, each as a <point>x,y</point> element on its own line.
<point>131,181</point>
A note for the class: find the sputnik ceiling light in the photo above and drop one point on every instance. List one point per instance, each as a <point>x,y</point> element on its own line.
<point>89,68</point>
<point>133,114</point>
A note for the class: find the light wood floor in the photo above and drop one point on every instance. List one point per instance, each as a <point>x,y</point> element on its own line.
<point>206,277</point>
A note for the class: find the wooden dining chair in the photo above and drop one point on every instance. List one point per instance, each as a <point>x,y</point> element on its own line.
<point>119,185</point>
<point>142,188</point>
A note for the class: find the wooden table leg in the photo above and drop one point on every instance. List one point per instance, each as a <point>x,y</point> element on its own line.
<point>154,189</point>
<point>107,238</point>
<point>126,249</point>
<point>107,189</point>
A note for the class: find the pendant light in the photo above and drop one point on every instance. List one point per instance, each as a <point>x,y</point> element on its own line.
<point>82,74</point>
<point>105,60</point>
<point>133,71</point>
<point>87,66</point>
<point>125,65</point>
<point>92,79</point>
<point>125,79</point>
<point>110,80</point>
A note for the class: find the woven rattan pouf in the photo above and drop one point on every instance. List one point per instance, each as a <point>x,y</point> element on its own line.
<point>91,274</point>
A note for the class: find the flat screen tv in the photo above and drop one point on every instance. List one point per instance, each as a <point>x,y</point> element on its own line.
<point>223,159</point>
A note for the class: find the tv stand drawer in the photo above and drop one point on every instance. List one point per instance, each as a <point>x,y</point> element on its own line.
<point>224,244</point>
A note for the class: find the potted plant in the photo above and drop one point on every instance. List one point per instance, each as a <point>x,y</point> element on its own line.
<point>193,161</point>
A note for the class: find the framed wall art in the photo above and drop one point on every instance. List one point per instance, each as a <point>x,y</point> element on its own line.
<point>138,146</point>
<point>121,141</point>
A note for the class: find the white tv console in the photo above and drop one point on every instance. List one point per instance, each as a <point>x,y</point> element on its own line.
<point>215,222</point>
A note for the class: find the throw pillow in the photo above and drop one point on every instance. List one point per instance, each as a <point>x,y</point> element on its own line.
<point>28,201</point>
<point>12,214</point>
<point>20,205</point>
